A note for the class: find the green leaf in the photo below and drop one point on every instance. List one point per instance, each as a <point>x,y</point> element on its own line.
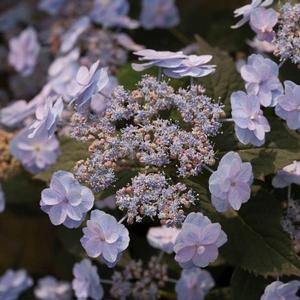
<point>246,286</point>
<point>256,241</point>
<point>225,80</point>
<point>220,294</point>
<point>281,148</point>
<point>71,152</point>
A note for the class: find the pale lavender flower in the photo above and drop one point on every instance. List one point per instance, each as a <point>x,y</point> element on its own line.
<point>52,7</point>
<point>109,13</point>
<point>246,11</point>
<point>104,237</point>
<point>86,283</point>
<point>194,284</point>
<point>13,284</point>
<point>198,241</point>
<point>100,102</point>
<point>262,21</point>
<point>278,290</point>
<point>23,51</point>
<point>261,76</point>
<point>288,106</point>
<point>62,72</point>
<point>70,38</point>
<point>230,185</point>
<point>49,288</point>
<point>261,46</point>
<point>159,14</point>
<point>162,238</point>
<point>89,82</point>
<point>2,200</point>
<point>47,116</point>
<point>288,175</point>
<point>66,201</point>
<point>127,42</point>
<point>15,114</point>
<point>193,66</point>
<point>250,123</point>
<point>36,154</point>
<point>164,59</point>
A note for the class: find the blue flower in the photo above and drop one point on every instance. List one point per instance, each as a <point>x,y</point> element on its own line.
<point>230,185</point>
<point>278,290</point>
<point>13,284</point>
<point>2,200</point>
<point>288,106</point>
<point>162,238</point>
<point>250,124</point>
<point>36,154</point>
<point>47,116</point>
<point>109,13</point>
<point>262,22</point>
<point>194,284</point>
<point>198,241</point>
<point>49,288</point>
<point>24,51</point>
<point>87,281</point>
<point>104,237</point>
<point>163,59</point>
<point>70,37</point>
<point>66,200</point>
<point>89,83</point>
<point>261,76</point>
<point>159,14</point>
<point>246,11</point>
<point>193,66</point>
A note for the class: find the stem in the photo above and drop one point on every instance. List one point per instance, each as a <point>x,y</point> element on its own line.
<point>172,280</point>
<point>192,81</point>
<point>208,168</point>
<point>106,281</point>
<point>159,75</point>
<point>161,254</point>
<point>226,120</point>
<point>122,219</point>
<point>282,63</point>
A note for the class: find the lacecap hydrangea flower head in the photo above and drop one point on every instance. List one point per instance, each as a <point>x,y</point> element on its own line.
<point>198,241</point>
<point>86,283</point>
<point>66,200</point>
<point>278,290</point>
<point>194,284</point>
<point>104,237</point>
<point>230,185</point>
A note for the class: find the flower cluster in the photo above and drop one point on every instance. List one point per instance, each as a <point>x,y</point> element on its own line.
<point>148,138</point>
<point>198,241</point>
<point>139,282</point>
<point>151,195</point>
<point>287,40</point>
